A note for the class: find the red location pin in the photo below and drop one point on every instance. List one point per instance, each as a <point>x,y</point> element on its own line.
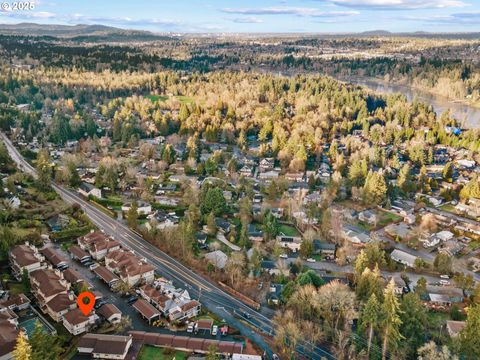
<point>85,302</point>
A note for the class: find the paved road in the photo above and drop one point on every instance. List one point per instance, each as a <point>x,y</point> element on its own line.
<point>212,297</point>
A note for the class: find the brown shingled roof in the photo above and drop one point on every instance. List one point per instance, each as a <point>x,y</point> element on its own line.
<point>108,310</point>
<point>105,344</point>
<point>147,310</point>
<point>75,317</point>
<point>78,252</point>
<point>23,255</point>
<point>185,342</point>
<point>105,274</point>
<point>60,302</point>
<point>52,256</point>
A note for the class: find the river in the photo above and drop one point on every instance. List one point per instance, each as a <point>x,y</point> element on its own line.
<point>468,116</point>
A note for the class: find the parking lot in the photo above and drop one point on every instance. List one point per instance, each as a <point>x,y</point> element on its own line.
<point>121,301</point>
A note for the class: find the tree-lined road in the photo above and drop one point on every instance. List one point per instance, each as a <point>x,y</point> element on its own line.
<point>210,295</point>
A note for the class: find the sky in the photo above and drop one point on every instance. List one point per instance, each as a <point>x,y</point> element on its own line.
<point>255,16</point>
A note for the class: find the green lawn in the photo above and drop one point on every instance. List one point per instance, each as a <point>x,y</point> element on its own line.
<point>387,218</point>
<point>288,230</point>
<point>182,98</point>
<point>155,353</point>
<point>155,98</point>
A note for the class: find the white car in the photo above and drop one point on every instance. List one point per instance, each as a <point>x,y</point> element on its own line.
<point>93,266</point>
<point>284,256</point>
<point>446,277</point>
<point>190,327</point>
<point>311,260</point>
<point>214,330</point>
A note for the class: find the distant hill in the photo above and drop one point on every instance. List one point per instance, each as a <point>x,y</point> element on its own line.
<point>90,33</point>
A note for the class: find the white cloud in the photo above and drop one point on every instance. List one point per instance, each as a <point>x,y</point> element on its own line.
<point>247,20</point>
<point>288,10</point>
<point>472,18</point>
<point>399,4</point>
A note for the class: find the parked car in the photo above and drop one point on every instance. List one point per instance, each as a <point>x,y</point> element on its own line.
<point>99,303</point>
<point>62,267</point>
<point>284,256</point>
<point>87,263</point>
<point>190,327</point>
<point>93,266</point>
<point>311,260</point>
<point>444,277</point>
<point>132,299</point>
<point>214,330</point>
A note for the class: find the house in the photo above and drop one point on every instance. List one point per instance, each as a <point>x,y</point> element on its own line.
<point>295,177</point>
<point>101,346</point>
<point>400,231</point>
<point>289,242</point>
<point>56,259</point>
<point>201,237</point>
<point>9,333</point>
<point>271,268</point>
<point>444,299</point>
<point>454,327</point>
<point>98,244</point>
<point>161,220</point>
<point>143,208</point>
<point>58,222</point>
<point>155,297</point>
<point>59,306</point>
<point>46,284</point>
<point>205,325</point>
<point>266,164</point>
<point>223,226</point>
<point>325,249</point>
<point>87,190</point>
<point>186,343</point>
<point>146,310</point>
<point>77,253</point>
<point>110,313</point>
<point>217,258</point>
<point>269,175</point>
<point>131,269</point>
<point>355,236</point>
<point>106,275</point>
<point>73,276</point>
<point>77,323</point>
<point>15,302</point>
<point>451,247</point>
<point>403,258</point>
<point>470,208</point>
<point>183,308</point>
<point>368,216</point>
<point>246,171</point>
<point>254,234</point>
<point>25,257</point>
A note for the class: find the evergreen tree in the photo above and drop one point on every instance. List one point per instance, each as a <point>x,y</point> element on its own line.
<point>470,335</point>
<point>391,321</point>
<point>370,319</point>
<point>44,346</point>
<point>414,321</point>
<point>132,215</point>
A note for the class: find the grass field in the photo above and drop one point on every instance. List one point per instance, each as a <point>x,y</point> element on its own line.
<point>288,230</point>
<point>152,352</point>
<point>183,99</point>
